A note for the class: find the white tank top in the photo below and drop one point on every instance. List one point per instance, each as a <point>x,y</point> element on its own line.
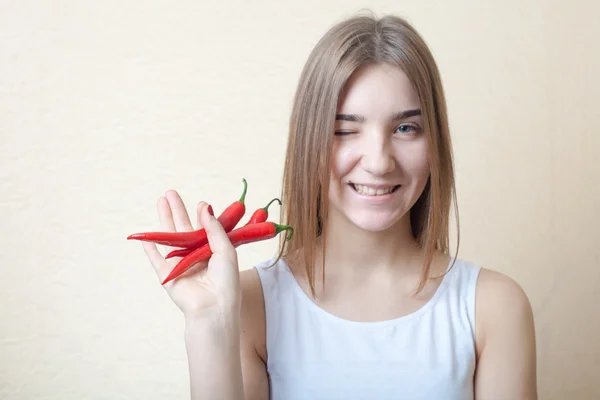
<point>426,355</point>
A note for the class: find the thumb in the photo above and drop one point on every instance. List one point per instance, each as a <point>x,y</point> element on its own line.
<point>217,237</point>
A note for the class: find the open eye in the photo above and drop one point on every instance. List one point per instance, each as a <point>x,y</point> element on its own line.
<point>408,129</point>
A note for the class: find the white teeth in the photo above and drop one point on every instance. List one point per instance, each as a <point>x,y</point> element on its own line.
<point>369,191</point>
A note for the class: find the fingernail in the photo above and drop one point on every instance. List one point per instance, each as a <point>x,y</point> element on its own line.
<point>210,210</point>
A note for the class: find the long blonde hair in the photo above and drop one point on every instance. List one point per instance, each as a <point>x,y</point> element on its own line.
<point>361,40</point>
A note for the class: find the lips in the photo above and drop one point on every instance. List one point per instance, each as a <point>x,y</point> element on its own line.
<point>373,190</point>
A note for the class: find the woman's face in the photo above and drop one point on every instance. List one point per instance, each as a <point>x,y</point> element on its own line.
<point>380,162</point>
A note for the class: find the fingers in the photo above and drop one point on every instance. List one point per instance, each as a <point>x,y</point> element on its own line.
<point>156,259</point>
<point>166,219</point>
<point>217,238</point>
<point>181,218</point>
<point>198,211</point>
<point>164,215</point>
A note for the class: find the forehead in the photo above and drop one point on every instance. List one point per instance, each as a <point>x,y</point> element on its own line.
<point>378,89</point>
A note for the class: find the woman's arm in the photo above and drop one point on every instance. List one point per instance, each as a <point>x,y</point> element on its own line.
<point>253,337</point>
<point>505,336</point>
<point>216,301</point>
<point>237,369</point>
<point>216,339</point>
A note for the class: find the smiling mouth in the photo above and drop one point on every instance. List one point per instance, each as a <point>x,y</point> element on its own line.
<point>369,191</point>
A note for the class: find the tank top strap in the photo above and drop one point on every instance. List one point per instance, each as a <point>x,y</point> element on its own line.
<point>275,277</point>
<point>461,284</point>
<point>277,285</point>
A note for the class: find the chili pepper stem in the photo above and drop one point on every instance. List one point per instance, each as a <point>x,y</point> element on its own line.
<point>243,198</point>
<point>266,208</point>
<point>280,228</point>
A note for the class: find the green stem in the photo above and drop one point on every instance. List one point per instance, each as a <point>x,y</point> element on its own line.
<point>281,228</point>
<point>243,198</point>
<point>266,208</point>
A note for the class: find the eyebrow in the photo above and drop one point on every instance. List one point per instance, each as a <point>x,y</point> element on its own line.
<point>396,117</point>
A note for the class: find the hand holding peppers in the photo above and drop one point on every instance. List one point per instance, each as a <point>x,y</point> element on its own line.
<point>259,215</point>
<point>228,219</point>
<point>215,286</point>
<point>247,234</point>
<point>195,246</point>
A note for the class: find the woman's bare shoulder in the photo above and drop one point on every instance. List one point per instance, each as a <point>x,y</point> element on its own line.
<point>500,293</point>
<point>253,311</point>
<point>504,315</point>
<point>505,338</point>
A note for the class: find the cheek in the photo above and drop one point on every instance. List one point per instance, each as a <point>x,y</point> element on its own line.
<point>342,160</point>
<point>414,160</point>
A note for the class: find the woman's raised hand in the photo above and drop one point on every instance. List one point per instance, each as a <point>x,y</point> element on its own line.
<point>209,288</point>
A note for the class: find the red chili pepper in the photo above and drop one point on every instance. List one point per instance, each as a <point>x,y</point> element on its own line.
<point>179,253</point>
<point>246,234</point>
<point>192,240</point>
<point>260,215</point>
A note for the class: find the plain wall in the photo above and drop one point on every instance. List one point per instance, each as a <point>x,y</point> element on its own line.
<point>106,105</point>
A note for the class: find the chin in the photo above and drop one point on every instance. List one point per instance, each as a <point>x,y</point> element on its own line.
<point>372,223</point>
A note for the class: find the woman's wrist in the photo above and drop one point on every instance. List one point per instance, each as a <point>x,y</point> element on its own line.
<point>212,342</point>
<point>217,321</point>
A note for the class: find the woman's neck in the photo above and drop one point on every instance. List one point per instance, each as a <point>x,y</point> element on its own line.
<point>356,253</point>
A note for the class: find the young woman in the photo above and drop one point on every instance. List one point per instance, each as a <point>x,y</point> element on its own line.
<point>366,302</point>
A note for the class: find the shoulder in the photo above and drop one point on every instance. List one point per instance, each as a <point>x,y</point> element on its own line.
<point>501,306</point>
<point>250,284</point>
<point>253,311</point>
<point>505,337</point>
<point>500,298</point>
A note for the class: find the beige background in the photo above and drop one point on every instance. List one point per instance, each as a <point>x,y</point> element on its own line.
<point>105,105</point>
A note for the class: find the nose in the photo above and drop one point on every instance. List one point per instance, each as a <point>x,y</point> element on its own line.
<point>377,157</point>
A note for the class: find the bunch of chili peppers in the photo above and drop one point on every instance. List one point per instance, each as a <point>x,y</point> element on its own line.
<point>194,246</point>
